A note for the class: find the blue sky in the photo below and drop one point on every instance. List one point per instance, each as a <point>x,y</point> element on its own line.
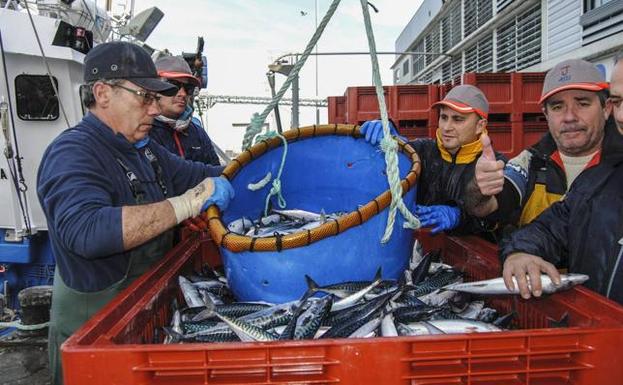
<point>242,37</point>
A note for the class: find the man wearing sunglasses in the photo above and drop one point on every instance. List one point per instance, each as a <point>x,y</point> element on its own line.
<point>175,128</point>
<point>110,195</point>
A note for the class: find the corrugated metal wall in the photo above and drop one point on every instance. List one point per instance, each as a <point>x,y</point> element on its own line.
<point>564,32</point>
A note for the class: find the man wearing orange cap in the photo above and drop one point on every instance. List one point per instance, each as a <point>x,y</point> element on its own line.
<point>583,232</point>
<point>175,128</point>
<point>448,161</point>
<point>574,103</point>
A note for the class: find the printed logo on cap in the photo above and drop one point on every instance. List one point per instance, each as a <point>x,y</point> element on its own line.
<point>564,74</point>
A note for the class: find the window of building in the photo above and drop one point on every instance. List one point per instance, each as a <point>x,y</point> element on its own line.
<point>485,54</point>
<point>457,66</point>
<point>470,18</point>
<point>446,34</point>
<point>405,67</point>
<point>485,11</point>
<point>529,38</point>
<point>419,60</point>
<point>592,4</point>
<point>519,41</point>
<point>432,44</point>
<point>471,59</point>
<point>601,18</point>
<point>455,22</point>
<point>501,4</point>
<point>446,71</point>
<point>35,96</point>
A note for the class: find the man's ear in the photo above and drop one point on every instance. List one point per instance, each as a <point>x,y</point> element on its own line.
<point>102,93</point>
<point>607,109</point>
<point>480,126</point>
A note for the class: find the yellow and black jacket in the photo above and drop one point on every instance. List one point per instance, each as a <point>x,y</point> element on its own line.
<point>534,180</point>
<point>444,178</point>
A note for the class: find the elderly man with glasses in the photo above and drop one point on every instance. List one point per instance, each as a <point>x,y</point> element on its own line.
<point>175,128</point>
<point>110,195</point>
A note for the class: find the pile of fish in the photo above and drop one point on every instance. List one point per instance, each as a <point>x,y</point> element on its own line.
<point>416,304</point>
<point>280,222</point>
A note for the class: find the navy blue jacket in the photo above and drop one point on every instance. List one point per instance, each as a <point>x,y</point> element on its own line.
<point>195,142</point>
<point>583,231</point>
<point>82,187</point>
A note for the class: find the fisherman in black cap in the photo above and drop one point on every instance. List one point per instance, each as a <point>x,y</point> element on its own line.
<point>111,197</point>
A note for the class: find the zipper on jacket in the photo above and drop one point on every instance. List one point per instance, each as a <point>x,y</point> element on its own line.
<point>616,266</point>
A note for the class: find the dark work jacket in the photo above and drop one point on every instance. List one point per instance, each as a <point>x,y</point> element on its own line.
<point>82,186</point>
<point>582,231</point>
<point>194,141</point>
<point>443,182</point>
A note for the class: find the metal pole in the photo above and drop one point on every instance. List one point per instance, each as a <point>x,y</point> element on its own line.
<point>316,58</point>
<point>295,101</point>
<point>271,82</point>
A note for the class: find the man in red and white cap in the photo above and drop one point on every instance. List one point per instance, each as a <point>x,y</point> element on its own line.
<point>175,128</point>
<point>448,161</point>
<point>584,231</point>
<point>574,103</point>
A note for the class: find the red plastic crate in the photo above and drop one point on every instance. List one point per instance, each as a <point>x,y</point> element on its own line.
<point>514,93</point>
<point>114,347</point>
<point>336,109</point>
<point>413,102</point>
<point>362,104</point>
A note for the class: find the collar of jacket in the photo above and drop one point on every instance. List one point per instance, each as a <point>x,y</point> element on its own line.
<point>107,134</point>
<point>466,154</point>
<point>612,147</point>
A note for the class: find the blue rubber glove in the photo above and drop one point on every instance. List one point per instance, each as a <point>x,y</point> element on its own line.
<point>439,217</point>
<point>373,131</point>
<point>223,193</point>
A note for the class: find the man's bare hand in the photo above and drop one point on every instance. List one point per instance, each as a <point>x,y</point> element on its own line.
<point>489,173</point>
<point>527,269</point>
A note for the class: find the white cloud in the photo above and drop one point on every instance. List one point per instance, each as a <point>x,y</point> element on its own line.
<point>243,36</point>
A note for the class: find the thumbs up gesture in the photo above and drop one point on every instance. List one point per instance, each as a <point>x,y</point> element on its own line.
<point>489,173</point>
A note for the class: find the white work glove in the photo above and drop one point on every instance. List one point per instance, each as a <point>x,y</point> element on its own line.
<point>211,191</point>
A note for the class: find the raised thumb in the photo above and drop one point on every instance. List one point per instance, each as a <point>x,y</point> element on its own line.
<point>487,149</point>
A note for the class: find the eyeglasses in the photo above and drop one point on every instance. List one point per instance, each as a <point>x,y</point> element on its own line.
<point>188,87</point>
<point>148,97</point>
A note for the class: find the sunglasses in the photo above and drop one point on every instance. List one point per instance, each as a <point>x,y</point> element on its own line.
<point>148,97</point>
<point>188,87</point>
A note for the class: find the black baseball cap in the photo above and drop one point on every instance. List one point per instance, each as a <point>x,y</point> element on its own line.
<point>123,60</point>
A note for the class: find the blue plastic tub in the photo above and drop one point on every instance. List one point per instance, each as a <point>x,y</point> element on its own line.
<point>330,173</point>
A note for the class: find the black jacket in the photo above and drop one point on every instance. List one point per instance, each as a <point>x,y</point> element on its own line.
<point>443,182</point>
<point>582,231</point>
<point>194,141</point>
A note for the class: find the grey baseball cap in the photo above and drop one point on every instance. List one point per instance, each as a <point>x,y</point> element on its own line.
<point>175,67</point>
<point>573,74</point>
<point>465,99</point>
<point>123,60</point>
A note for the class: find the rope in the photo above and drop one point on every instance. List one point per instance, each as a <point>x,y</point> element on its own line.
<point>18,325</point>
<point>275,190</point>
<point>388,144</point>
<point>252,129</point>
<point>257,121</point>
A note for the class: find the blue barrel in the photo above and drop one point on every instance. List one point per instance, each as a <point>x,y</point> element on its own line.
<point>325,173</point>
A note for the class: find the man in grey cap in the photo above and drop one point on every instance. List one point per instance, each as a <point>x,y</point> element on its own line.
<point>448,161</point>
<point>574,103</point>
<point>176,128</point>
<point>583,232</point>
<point>110,195</point>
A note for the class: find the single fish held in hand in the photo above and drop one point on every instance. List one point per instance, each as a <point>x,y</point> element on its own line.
<point>497,286</point>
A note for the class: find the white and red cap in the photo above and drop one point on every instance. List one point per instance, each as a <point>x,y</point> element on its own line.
<point>465,99</point>
<point>175,67</point>
<point>573,74</point>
